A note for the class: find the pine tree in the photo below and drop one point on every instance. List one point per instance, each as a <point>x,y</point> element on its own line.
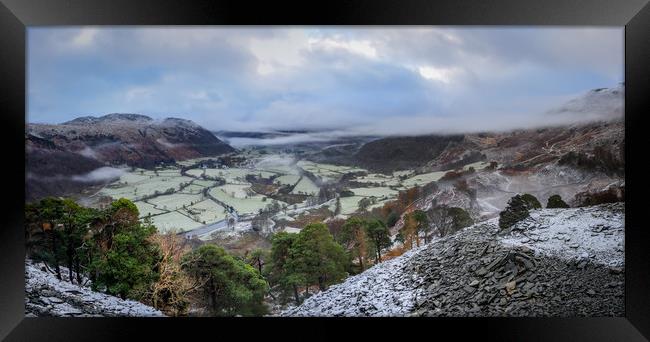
<point>421,225</point>
<point>318,257</point>
<point>353,238</point>
<point>379,237</point>
<point>280,267</point>
<point>231,287</point>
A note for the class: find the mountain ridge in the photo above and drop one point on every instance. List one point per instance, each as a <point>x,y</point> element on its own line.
<point>83,144</point>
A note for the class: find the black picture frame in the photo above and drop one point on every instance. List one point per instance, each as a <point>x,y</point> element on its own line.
<point>16,15</point>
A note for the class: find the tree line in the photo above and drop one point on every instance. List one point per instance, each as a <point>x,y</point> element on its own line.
<point>124,256</point>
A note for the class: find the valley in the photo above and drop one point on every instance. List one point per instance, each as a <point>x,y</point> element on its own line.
<point>325,171</point>
<point>186,198</point>
<point>338,190</point>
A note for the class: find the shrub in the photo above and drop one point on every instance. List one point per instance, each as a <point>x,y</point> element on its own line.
<point>556,201</point>
<point>449,220</point>
<point>516,211</point>
<point>531,201</point>
<point>460,218</point>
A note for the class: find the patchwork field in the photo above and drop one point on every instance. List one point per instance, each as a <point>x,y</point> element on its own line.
<point>383,180</point>
<point>174,221</point>
<point>187,209</point>
<point>206,211</point>
<point>231,174</point>
<point>280,165</point>
<point>175,201</point>
<point>350,205</point>
<point>305,186</point>
<point>242,205</point>
<point>240,191</point>
<point>204,183</point>
<point>194,188</point>
<point>146,209</point>
<point>288,179</point>
<point>379,192</point>
<point>326,172</point>
<point>422,179</point>
<point>145,187</point>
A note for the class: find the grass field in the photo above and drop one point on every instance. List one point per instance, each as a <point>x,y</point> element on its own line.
<point>175,201</point>
<point>423,179</point>
<point>377,192</point>
<point>288,179</point>
<point>168,213</point>
<point>174,221</point>
<point>145,209</point>
<point>242,205</point>
<point>378,178</point>
<point>146,187</point>
<point>305,186</point>
<point>194,188</point>
<point>206,211</point>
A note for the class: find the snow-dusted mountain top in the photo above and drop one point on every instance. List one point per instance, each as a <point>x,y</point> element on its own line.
<point>128,119</point>
<point>595,105</point>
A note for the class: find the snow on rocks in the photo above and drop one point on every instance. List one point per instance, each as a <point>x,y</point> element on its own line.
<point>386,289</point>
<point>484,271</point>
<point>45,295</point>
<point>595,233</point>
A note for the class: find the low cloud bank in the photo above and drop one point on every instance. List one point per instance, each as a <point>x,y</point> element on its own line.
<point>290,139</point>
<point>102,174</point>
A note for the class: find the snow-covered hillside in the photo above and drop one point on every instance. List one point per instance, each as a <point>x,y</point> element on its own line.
<point>574,234</point>
<point>559,262</point>
<point>597,104</point>
<point>45,295</point>
<point>382,290</point>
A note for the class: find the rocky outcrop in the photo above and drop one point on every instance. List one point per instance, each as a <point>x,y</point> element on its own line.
<point>45,295</point>
<point>556,263</point>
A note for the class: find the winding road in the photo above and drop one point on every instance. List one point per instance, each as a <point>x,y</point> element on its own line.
<point>207,229</point>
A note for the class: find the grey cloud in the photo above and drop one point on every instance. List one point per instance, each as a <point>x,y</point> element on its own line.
<point>100,174</point>
<point>496,77</point>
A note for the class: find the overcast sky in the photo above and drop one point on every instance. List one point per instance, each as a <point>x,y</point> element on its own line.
<point>375,80</point>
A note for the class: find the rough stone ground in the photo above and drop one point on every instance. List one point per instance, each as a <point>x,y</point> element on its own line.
<point>45,295</point>
<point>483,271</point>
<point>383,290</point>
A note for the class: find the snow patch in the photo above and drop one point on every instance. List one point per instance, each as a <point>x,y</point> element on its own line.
<point>574,234</point>
<point>385,289</point>
<point>66,299</point>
